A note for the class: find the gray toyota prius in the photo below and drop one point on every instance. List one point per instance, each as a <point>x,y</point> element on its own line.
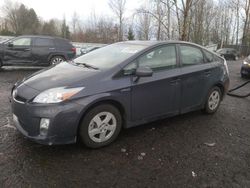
<point>118,86</point>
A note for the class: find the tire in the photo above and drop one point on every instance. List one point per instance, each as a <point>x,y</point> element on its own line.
<point>1,64</point>
<point>236,58</point>
<point>213,100</point>
<point>103,133</point>
<point>56,60</point>
<point>243,76</point>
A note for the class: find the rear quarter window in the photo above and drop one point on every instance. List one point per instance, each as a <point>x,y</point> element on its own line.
<point>61,43</point>
<point>210,57</point>
<point>191,55</point>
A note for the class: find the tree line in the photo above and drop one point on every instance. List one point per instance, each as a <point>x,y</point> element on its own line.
<point>201,21</point>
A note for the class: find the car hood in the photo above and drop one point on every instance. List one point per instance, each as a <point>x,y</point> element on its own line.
<point>61,75</point>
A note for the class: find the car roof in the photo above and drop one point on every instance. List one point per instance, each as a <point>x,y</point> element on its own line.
<point>43,36</point>
<point>151,43</point>
<point>156,43</point>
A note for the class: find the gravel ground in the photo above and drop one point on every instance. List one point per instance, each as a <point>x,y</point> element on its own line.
<point>192,150</point>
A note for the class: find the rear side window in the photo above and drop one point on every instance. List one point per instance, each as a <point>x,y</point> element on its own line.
<point>160,58</point>
<point>43,42</point>
<point>191,55</point>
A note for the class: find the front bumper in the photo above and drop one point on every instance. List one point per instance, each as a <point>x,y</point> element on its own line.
<point>64,120</point>
<point>245,70</point>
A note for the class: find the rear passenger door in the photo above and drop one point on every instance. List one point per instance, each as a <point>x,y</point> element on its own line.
<point>42,48</point>
<point>195,75</point>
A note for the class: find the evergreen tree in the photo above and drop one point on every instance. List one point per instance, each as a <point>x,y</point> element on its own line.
<point>131,34</point>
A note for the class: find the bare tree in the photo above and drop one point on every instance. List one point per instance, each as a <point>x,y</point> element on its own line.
<point>118,7</point>
<point>246,21</point>
<point>143,25</point>
<point>75,26</point>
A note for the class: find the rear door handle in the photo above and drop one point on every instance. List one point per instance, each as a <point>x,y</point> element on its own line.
<point>207,73</point>
<point>125,90</point>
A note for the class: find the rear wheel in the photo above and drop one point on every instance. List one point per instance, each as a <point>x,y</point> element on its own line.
<point>236,58</point>
<point>56,60</point>
<point>213,100</point>
<point>100,126</point>
<point>243,76</point>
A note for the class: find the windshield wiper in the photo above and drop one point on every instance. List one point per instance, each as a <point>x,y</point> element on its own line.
<point>86,65</point>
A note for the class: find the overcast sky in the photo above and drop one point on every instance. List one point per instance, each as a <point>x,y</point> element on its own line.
<point>48,9</point>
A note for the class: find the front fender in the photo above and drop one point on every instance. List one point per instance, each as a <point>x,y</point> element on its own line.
<point>90,101</point>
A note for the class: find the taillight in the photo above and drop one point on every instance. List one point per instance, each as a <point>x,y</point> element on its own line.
<point>73,50</point>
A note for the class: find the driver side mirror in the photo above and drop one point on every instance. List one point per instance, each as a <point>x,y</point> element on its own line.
<point>10,44</point>
<point>144,72</point>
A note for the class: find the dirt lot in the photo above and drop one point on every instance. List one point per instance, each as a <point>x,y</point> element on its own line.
<point>168,153</point>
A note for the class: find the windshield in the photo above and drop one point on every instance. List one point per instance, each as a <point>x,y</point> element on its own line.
<point>4,41</point>
<point>110,56</point>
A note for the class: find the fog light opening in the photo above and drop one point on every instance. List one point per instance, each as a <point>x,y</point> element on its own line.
<point>44,126</point>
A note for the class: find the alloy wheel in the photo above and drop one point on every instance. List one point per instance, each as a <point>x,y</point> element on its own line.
<point>57,60</point>
<point>102,127</point>
<point>214,100</point>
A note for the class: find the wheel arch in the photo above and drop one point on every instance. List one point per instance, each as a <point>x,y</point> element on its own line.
<point>221,86</point>
<point>94,104</point>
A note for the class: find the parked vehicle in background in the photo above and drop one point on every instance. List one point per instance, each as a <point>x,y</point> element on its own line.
<point>89,49</point>
<point>121,85</point>
<point>228,53</point>
<point>245,68</point>
<point>35,51</point>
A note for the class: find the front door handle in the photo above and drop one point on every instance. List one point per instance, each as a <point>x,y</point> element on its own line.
<point>175,81</point>
<point>27,49</point>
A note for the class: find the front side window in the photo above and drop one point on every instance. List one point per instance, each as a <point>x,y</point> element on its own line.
<point>190,55</point>
<point>22,42</point>
<point>160,58</point>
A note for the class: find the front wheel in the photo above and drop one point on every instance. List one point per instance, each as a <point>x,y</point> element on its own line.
<point>100,126</point>
<point>213,100</point>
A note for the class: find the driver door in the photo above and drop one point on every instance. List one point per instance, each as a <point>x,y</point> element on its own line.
<point>159,94</point>
<point>18,51</point>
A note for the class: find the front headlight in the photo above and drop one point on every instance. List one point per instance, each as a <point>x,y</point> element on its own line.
<point>56,95</point>
<point>245,63</point>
